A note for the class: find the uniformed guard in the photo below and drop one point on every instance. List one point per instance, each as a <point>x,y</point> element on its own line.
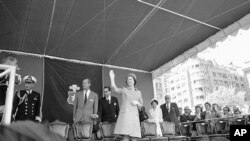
<point>26,103</point>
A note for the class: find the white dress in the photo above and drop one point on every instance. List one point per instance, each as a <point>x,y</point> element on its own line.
<point>155,115</point>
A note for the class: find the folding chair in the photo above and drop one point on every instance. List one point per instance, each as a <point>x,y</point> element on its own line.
<point>60,128</point>
<point>149,132</point>
<point>238,121</point>
<point>186,129</point>
<point>83,131</point>
<point>107,131</point>
<point>203,130</point>
<point>222,129</point>
<point>168,130</point>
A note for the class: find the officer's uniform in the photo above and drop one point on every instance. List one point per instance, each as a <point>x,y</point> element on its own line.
<point>26,104</point>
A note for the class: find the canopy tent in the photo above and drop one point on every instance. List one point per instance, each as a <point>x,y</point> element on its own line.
<point>134,34</point>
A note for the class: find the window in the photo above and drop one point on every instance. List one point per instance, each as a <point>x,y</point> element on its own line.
<point>242,85</point>
<point>220,82</point>
<point>214,74</point>
<point>185,100</point>
<point>237,85</point>
<point>219,74</point>
<point>235,77</point>
<point>215,82</point>
<point>179,94</point>
<point>177,80</point>
<point>202,97</point>
<point>172,81</point>
<point>241,79</point>
<point>234,84</point>
<point>179,101</point>
<point>178,87</point>
<point>156,85</point>
<point>206,89</point>
<point>226,83</point>
<point>166,90</point>
<point>183,84</point>
<point>197,65</point>
<point>172,88</point>
<point>224,76</point>
<point>201,89</point>
<point>183,77</point>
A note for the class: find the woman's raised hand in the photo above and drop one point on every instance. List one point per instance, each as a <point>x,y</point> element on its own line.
<point>111,74</point>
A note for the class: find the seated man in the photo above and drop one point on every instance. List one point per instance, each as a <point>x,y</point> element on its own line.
<point>186,117</point>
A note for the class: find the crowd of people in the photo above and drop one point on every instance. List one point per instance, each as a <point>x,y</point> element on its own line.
<point>208,113</point>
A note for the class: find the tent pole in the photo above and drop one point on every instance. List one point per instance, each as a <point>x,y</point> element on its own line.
<point>183,16</point>
<point>72,60</point>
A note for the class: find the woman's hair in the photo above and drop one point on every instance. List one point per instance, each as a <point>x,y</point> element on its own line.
<point>228,109</point>
<point>129,75</point>
<point>214,104</point>
<point>154,101</point>
<point>198,106</point>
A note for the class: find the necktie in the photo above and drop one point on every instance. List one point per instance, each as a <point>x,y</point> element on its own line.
<point>85,98</point>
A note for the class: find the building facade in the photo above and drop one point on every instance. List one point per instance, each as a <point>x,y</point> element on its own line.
<point>189,83</point>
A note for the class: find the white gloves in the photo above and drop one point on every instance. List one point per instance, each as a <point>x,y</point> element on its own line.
<point>136,103</point>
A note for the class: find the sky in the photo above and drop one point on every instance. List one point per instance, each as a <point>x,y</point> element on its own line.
<point>235,49</point>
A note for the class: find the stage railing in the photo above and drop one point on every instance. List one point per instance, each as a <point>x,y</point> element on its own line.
<point>212,119</point>
<point>11,72</point>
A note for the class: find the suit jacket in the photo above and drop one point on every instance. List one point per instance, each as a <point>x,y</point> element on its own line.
<point>171,116</point>
<point>185,118</point>
<point>108,112</point>
<point>83,112</point>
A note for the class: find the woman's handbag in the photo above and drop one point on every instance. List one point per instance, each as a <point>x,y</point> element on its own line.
<point>142,114</point>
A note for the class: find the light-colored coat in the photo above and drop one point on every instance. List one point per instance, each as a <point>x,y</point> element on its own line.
<point>128,122</point>
<point>83,112</point>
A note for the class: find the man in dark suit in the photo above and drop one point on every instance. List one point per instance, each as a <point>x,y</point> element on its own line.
<point>186,117</point>
<point>85,103</point>
<point>108,107</point>
<point>170,111</point>
<point>26,103</point>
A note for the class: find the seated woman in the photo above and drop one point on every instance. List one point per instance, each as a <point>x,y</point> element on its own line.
<point>197,117</point>
<point>237,113</point>
<point>155,115</point>
<point>226,112</point>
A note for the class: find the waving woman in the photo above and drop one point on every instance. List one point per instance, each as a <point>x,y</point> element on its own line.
<point>128,124</point>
